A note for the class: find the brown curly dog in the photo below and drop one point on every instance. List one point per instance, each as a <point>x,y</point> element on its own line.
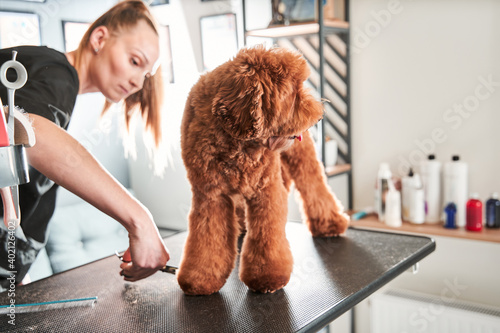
<point>244,140</point>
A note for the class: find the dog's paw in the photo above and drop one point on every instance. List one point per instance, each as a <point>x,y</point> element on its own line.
<point>198,275</point>
<point>196,284</point>
<point>333,225</point>
<point>267,283</point>
<point>265,268</point>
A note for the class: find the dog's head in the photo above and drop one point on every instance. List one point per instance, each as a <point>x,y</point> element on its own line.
<point>261,97</point>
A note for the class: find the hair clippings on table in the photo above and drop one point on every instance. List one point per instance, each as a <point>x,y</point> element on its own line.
<point>165,269</point>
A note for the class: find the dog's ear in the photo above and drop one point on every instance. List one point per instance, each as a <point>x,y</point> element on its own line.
<point>238,107</point>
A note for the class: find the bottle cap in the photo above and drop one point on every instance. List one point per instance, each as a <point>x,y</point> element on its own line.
<point>410,174</point>
<point>455,158</point>
<point>474,195</point>
<point>494,195</point>
<point>451,206</point>
<point>432,157</point>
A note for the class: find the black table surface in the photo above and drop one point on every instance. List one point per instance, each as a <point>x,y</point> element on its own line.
<point>330,276</point>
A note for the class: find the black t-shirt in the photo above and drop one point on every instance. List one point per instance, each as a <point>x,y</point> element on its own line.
<point>51,92</point>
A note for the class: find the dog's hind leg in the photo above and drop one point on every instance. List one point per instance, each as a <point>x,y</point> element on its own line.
<point>211,246</point>
<point>324,214</point>
<point>266,260</point>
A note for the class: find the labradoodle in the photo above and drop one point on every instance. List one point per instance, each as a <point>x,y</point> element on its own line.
<point>244,140</point>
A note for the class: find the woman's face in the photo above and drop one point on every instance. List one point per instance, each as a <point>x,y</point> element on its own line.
<point>124,60</point>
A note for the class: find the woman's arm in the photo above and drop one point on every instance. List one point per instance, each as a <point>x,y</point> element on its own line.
<point>64,160</point>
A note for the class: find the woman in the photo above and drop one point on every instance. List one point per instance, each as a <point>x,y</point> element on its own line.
<point>117,57</point>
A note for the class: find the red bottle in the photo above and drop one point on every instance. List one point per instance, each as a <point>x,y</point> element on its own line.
<point>474,213</point>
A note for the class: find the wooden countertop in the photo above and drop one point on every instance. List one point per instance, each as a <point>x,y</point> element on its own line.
<point>371,222</point>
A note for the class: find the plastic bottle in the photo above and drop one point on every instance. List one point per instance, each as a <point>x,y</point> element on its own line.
<point>455,182</point>
<point>474,213</point>
<point>493,211</point>
<point>430,170</point>
<point>406,188</point>
<point>382,188</point>
<point>393,207</point>
<point>417,201</point>
<point>451,214</point>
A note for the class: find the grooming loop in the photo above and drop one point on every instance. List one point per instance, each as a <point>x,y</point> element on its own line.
<point>22,77</point>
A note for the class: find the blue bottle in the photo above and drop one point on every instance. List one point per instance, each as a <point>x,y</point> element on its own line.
<point>451,215</point>
<point>493,211</point>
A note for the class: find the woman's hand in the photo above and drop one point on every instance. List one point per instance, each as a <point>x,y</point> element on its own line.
<point>146,253</point>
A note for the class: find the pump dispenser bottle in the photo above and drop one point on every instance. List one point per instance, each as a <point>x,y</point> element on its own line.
<point>406,189</point>
<point>417,201</point>
<point>430,170</point>
<point>455,183</point>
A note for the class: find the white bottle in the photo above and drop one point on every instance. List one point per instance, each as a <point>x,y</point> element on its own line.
<point>430,170</point>
<point>417,201</point>
<point>455,187</point>
<point>381,189</point>
<point>406,188</point>
<point>393,207</point>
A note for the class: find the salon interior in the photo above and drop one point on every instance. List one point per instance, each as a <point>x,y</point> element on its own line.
<point>407,79</point>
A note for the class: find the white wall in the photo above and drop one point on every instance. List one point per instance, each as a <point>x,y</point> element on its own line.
<point>411,70</point>
<point>414,64</point>
<point>195,9</point>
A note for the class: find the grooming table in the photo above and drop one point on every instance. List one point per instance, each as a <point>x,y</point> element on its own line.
<point>330,276</point>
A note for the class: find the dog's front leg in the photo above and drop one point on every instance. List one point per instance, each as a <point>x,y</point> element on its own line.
<point>266,259</point>
<point>324,213</point>
<point>211,246</point>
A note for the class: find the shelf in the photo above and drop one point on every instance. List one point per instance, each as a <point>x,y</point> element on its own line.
<point>337,170</point>
<point>372,222</point>
<point>298,29</point>
<point>324,42</point>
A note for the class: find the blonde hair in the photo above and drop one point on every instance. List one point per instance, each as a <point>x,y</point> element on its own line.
<point>149,99</point>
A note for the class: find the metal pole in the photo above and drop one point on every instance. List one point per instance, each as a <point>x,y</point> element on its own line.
<point>321,127</point>
<point>244,21</point>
